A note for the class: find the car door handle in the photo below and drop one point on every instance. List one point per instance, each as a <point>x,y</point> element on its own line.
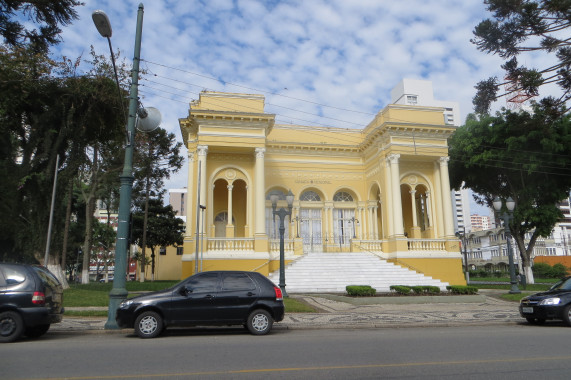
<point>209,296</point>
<point>250,294</point>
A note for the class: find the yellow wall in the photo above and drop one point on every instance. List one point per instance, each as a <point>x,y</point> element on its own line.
<point>447,270</point>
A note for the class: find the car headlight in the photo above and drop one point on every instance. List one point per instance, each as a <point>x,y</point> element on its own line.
<point>550,301</point>
<point>126,304</point>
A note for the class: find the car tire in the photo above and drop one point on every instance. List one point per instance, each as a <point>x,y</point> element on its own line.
<point>149,325</point>
<point>11,326</point>
<point>567,315</point>
<point>259,322</point>
<point>37,331</point>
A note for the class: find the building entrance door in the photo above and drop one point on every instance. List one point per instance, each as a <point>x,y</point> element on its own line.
<point>311,230</point>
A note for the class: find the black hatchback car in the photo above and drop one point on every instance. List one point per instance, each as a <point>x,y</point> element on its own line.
<point>552,304</point>
<point>31,300</point>
<point>208,298</point>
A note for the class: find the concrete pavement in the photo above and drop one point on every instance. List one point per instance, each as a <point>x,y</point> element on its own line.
<point>337,311</point>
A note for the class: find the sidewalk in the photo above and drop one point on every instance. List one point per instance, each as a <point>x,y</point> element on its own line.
<point>337,311</point>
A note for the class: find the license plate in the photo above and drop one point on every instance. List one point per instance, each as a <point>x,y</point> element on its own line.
<point>527,310</point>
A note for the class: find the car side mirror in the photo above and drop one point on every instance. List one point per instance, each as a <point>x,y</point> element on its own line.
<point>185,290</point>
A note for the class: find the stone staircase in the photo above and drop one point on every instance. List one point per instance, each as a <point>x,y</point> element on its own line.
<point>332,272</point>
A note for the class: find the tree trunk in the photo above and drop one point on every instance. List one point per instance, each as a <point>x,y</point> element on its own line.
<point>89,210</point>
<point>67,222</point>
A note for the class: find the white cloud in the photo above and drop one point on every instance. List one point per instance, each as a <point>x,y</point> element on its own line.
<point>343,54</point>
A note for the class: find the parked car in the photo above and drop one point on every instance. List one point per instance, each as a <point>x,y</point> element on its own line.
<point>31,299</point>
<point>552,304</point>
<point>208,298</point>
<point>109,279</point>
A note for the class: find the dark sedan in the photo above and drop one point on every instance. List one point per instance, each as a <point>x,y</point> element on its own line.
<point>207,298</point>
<point>552,304</point>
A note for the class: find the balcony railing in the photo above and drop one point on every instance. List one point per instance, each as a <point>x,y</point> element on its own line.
<point>426,245</point>
<point>231,244</point>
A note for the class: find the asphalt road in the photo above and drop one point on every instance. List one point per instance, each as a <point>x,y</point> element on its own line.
<point>475,352</point>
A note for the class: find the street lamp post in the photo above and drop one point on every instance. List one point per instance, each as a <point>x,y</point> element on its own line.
<point>119,292</point>
<point>282,213</point>
<point>464,241</point>
<point>507,216</point>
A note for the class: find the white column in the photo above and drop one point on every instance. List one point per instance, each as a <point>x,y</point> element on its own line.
<point>361,223</point>
<point>428,210</point>
<point>397,201</point>
<point>375,223</point>
<point>230,187</point>
<point>189,200</point>
<point>259,193</point>
<point>202,151</point>
<point>438,217</point>
<point>370,235</point>
<point>413,201</point>
<point>389,195</point>
<point>446,198</point>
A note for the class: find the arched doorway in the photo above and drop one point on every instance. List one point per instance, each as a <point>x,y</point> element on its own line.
<point>311,221</point>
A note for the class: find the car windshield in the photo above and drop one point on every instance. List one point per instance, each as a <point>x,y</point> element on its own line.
<point>564,284</point>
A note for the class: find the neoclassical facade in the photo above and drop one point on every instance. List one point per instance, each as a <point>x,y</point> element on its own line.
<point>383,189</point>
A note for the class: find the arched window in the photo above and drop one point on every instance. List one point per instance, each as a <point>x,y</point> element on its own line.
<point>281,195</point>
<point>310,196</point>
<point>342,196</point>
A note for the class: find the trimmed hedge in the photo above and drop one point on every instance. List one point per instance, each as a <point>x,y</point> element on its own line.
<point>462,289</point>
<point>360,290</point>
<point>401,289</point>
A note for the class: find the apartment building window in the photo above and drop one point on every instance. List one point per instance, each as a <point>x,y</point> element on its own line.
<point>412,99</point>
<point>163,251</point>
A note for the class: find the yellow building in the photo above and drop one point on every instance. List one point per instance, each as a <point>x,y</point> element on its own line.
<point>383,189</point>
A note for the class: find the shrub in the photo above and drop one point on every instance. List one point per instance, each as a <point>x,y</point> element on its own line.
<point>541,270</point>
<point>461,289</point>
<point>559,270</point>
<point>401,289</point>
<point>360,290</point>
<point>432,289</point>
<point>417,289</point>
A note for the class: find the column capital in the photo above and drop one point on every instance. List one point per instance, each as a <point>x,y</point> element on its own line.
<point>412,192</point>
<point>393,158</point>
<point>260,152</point>
<point>202,150</point>
<point>230,187</point>
<point>444,161</point>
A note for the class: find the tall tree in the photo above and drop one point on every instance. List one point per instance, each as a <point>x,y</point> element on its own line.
<point>157,156</point>
<point>164,228</point>
<point>46,15</point>
<point>523,155</point>
<point>525,26</point>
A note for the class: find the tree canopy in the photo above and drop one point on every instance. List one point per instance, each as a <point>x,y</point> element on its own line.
<point>519,27</point>
<point>523,155</point>
<point>46,15</point>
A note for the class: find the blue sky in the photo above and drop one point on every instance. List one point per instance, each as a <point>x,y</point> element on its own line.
<point>323,63</point>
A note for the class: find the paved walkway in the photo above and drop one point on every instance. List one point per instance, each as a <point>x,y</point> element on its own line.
<point>377,312</point>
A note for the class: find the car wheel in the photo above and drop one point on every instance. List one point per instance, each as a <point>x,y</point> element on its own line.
<point>37,331</point>
<point>148,324</point>
<point>259,322</point>
<point>567,315</point>
<point>11,326</point>
<point>535,321</point>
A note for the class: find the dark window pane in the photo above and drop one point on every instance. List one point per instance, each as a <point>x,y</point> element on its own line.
<point>207,282</point>
<point>238,281</point>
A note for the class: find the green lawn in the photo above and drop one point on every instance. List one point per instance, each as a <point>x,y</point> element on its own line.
<point>97,294</point>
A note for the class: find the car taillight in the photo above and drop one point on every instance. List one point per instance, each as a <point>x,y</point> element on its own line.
<point>39,298</point>
<point>279,296</point>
